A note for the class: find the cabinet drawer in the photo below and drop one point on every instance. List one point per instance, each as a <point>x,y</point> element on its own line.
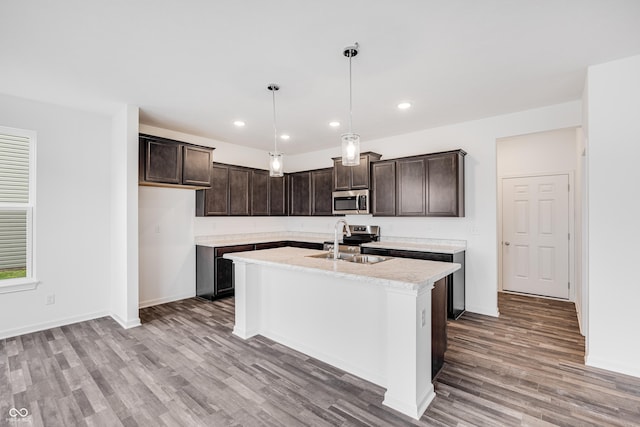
<point>230,249</point>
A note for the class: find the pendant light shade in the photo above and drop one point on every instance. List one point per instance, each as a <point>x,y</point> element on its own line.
<point>350,140</point>
<point>276,163</point>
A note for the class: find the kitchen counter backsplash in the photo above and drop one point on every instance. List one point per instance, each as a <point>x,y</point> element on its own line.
<point>390,242</point>
<point>247,238</point>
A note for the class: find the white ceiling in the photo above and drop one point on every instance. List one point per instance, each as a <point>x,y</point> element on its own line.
<point>196,66</point>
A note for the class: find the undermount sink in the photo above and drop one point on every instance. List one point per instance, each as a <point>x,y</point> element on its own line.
<point>355,258</point>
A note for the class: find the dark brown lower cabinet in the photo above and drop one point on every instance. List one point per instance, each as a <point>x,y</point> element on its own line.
<point>455,281</point>
<point>214,274</point>
<point>438,326</point>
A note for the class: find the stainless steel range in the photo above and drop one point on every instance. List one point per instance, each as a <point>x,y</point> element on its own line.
<point>359,234</point>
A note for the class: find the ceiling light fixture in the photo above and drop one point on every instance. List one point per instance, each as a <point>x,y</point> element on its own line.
<point>350,140</point>
<point>404,105</point>
<point>239,123</point>
<point>285,137</point>
<point>275,158</point>
<point>334,124</point>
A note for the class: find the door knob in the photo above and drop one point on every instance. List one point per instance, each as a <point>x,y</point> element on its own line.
<point>507,243</point>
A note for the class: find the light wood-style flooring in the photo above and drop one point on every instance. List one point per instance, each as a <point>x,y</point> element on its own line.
<point>183,367</point>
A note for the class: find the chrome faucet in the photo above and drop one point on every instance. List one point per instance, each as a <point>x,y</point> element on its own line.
<point>341,225</point>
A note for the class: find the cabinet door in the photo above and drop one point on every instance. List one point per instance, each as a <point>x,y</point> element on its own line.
<point>438,325</point>
<point>341,176</point>
<point>443,185</point>
<point>260,192</point>
<point>239,191</point>
<point>215,200</point>
<point>163,162</point>
<point>224,282</point>
<point>205,272</point>
<point>300,193</point>
<point>411,176</point>
<point>196,166</point>
<point>383,188</point>
<point>360,174</point>
<point>321,185</point>
<point>277,195</point>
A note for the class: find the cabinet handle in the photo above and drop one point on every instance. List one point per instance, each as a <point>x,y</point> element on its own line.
<point>507,243</point>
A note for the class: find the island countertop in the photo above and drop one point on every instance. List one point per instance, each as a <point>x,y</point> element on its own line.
<point>399,273</point>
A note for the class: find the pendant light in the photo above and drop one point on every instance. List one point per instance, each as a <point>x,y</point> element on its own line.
<point>350,140</point>
<point>275,158</point>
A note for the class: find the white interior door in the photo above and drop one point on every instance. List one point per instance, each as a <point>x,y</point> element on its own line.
<point>535,235</point>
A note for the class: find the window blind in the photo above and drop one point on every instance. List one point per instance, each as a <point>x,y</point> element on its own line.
<point>14,169</point>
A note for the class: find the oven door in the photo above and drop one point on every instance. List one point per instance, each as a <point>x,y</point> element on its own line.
<point>351,202</point>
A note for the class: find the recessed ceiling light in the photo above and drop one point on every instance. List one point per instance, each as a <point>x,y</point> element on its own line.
<point>404,105</point>
<point>239,123</point>
<point>334,124</point>
<point>284,136</point>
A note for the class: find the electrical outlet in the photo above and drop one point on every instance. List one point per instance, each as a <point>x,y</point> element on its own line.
<point>424,318</point>
<point>51,299</point>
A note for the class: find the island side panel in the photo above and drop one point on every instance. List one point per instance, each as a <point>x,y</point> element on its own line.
<point>334,319</point>
<point>247,300</point>
<point>408,347</point>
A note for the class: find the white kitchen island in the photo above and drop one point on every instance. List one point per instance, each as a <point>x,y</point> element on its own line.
<point>371,320</point>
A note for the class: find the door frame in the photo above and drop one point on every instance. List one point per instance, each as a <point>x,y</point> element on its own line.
<point>572,229</point>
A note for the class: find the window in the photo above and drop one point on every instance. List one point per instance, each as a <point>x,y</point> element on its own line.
<point>17,209</point>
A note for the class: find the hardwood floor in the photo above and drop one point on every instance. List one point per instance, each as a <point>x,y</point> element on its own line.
<point>183,367</point>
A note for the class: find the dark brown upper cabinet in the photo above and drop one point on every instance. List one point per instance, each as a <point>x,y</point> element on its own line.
<point>260,192</point>
<point>383,188</point>
<point>321,188</point>
<point>169,163</point>
<point>277,195</point>
<point>353,177</point>
<point>196,166</point>
<point>410,186</point>
<point>239,191</point>
<point>426,185</point>
<point>445,184</point>
<point>215,200</point>
<point>300,193</point>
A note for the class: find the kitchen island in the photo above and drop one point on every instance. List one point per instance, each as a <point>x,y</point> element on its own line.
<point>371,320</point>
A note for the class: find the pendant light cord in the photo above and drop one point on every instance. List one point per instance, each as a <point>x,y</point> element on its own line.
<point>275,131</point>
<point>350,97</point>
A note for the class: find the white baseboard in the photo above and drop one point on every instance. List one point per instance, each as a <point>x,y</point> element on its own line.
<point>164,300</point>
<point>633,370</point>
<point>51,324</point>
<point>126,324</point>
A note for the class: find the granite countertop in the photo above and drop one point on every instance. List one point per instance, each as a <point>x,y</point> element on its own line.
<point>245,239</point>
<point>398,273</point>
<point>418,247</point>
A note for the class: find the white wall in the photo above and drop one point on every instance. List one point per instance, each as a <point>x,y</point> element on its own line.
<point>124,217</point>
<point>167,225</point>
<point>478,228</point>
<point>612,155</point>
<point>72,223</point>
<point>535,154</point>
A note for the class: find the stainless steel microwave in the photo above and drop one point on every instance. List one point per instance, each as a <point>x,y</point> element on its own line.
<point>351,202</point>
